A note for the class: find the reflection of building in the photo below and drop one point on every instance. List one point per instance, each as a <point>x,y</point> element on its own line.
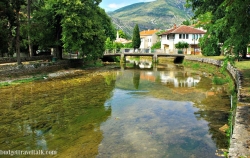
<point>182,33</point>
<point>170,78</point>
<point>149,76</point>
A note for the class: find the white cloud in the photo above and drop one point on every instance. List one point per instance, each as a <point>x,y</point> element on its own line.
<point>146,0</point>
<point>116,6</point>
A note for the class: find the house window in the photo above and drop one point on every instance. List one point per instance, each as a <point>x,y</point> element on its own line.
<point>168,37</point>
<point>195,36</point>
<point>180,36</point>
<point>183,36</point>
<point>186,36</point>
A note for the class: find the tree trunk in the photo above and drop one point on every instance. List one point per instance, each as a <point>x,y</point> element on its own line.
<point>17,39</point>
<point>59,52</point>
<point>29,40</point>
<point>58,37</point>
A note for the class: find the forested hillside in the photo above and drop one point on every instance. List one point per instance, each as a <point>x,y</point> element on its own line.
<point>159,14</point>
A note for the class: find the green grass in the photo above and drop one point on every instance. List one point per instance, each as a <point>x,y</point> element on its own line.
<point>26,80</point>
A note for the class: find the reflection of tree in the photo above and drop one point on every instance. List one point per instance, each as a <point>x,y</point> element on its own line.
<point>63,115</point>
<point>136,79</point>
<point>214,109</point>
<point>109,78</point>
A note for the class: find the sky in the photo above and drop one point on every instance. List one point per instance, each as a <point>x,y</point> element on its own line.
<point>111,5</point>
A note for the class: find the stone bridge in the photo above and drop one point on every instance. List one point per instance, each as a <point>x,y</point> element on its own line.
<point>153,54</point>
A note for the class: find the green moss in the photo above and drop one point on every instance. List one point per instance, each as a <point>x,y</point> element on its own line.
<point>26,80</point>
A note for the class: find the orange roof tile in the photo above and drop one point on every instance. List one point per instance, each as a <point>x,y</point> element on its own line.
<point>184,29</point>
<point>148,32</point>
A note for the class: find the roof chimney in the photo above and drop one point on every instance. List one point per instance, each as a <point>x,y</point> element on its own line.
<point>174,26</point>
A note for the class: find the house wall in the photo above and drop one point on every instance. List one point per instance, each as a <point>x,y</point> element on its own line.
<point>148,41</point>
<point>168,42</point>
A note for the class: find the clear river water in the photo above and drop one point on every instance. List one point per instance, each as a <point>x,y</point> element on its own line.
<point>168,111</point>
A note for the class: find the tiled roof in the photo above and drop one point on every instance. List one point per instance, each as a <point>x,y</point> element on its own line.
<point>184,29</point>
<point>148,32</point>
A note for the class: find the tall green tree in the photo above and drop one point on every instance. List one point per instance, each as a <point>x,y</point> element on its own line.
<point>79,25</point>
<point>29,22</point>
<point>10,26</point>
<point>227,23</point>
<point>136,40</point>
<point>5,28</point>
<point>16,6</point>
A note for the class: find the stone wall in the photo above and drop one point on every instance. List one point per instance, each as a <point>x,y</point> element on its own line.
<point>12,69</point>
<point>23,59</point>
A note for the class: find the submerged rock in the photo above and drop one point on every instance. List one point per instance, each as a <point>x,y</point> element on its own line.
<point>224,128</point>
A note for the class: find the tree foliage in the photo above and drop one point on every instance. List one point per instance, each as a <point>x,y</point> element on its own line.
<point>122,34</point>
<point>157,45</point>
<point>79,25</point>
<point>227,23</point>
<point>181,45</point>
<point>186,22</point>
<point>136,40</point>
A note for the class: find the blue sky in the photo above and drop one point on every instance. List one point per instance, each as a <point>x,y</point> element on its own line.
<point>110,5</point>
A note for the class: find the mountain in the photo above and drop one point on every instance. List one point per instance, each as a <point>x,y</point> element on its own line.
<point>159,14</point>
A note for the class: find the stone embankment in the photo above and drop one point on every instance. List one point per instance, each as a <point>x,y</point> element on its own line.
<point>240,139</point>
<point>24,59</point>
<point>11,70</point>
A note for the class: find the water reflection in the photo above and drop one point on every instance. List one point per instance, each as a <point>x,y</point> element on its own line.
<point>165,114</point>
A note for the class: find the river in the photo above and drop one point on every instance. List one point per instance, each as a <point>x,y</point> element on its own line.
<point>167,111</point>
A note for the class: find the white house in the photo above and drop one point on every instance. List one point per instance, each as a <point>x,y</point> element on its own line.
<point>182,33</point>
<point>148,38</point>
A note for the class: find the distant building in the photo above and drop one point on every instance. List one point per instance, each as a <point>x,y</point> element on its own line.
<point>182,33</point>
<point>121,40</point>
<point>148,38</point>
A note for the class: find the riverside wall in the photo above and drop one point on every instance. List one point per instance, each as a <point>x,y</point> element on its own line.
<point>23,59</point>
<point>240,139</point>
<point>38,66</point>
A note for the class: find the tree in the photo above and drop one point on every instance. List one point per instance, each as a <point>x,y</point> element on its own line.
<point>74,26</point>
<point>16,5</point>
<point>136,40</point>
<point>181,45</point>
<point>122,34</point>
<point>157,45</point>
<point>186,22</point>
<point>28,16</point>
<point>108,44</point>
<point>227,23</point>
<point>10,27</point>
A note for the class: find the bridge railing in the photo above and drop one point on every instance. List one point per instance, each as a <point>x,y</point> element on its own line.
<point>131,50</point>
